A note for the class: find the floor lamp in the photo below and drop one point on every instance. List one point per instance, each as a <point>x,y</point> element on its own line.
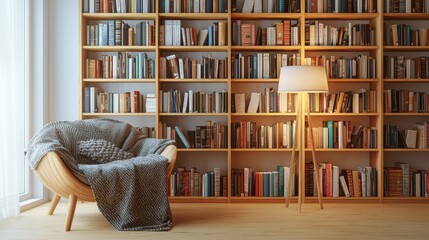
<point>302,80</point>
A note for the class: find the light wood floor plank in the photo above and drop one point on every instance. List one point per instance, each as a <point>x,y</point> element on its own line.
<point>236,221</point>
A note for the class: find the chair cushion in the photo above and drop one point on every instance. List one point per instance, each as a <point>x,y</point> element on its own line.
<point>101,151</point>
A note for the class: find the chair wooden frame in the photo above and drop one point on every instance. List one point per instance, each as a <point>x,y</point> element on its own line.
<point>56,176</point>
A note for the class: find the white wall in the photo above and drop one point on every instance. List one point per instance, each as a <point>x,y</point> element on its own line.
<point>63,61</point>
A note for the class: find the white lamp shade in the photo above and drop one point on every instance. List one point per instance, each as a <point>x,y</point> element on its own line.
<point>310,79</point>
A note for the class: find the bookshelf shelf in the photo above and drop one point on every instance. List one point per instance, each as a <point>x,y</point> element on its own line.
<point>191,80</point>
<point>186,199</point>
<point>263,114</point>
<point>342,16</point>
<point>406,48</point>
<point>194,48</point>
<point>261,149</point>
<point>343,150</point>
<point>406,16</point>
<point>407,80</point>
<point>202,150</point>
<point>344,114</point>
<point>264,16</point>
<point>255,80</point>
<point>406,150</point>
<point>194,16</point>
<point>192,114</point>
<point>119,16</point>
<point>118,80</point>
<point>342,48</point>
<point>116,114</point>
<point>264,48</point>
<point>120,48</point>
<point>352,80</point>
<point>406,114</point>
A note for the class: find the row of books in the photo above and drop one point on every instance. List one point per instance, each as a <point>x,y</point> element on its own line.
<point>262,64</point>
<point>341,134</point>
<point>119,6</point>
<point>122,65</point>
<point>97,101</point>
<point>173,34</point>
<point>358,101</point>
<point>340,6</point>
<point>180,68</point>
<point>403,181</point>
<point>406,6</point>
<point>248,183</point>
<point>194,6</point>
<point>334,182</point>
<point>205,136</point>
<point>417,137</point>
<point>321,34</point>
<point>400,67</point>
<point>403,35</point>
<point>361,66</point>
<point>266,6</point>
<point>396,101</point>
<point>119,33</point>
<point>191,182</point>
<point>173,101</point>
<point>285,33</point>
<point>246,134</point>
<point>269,101</point>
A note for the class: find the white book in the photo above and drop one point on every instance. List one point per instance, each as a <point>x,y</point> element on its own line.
<point>115,66</point>
<point>191,101</point>
<point>196,6</point>
<point>181,69</point>
<point>239,103</point>
<point>176,32</point>
<point>286,172</point>
<point>270,136</point>
<point>325,137</point>
<point>116,102</point>
<point>199,70</point>
<point>254,103</point>
<point>248,6</point>
<point>257,8</point>
<point>91,6</point>
<point>246,182</point>
<point>168,133</point>
<point>411,138</point>
<point>335,181</point>
<point>344,186</point>
<point>168,33</point>
<point>185,102</point>
<point>285,132</point>
<point>340,134</point>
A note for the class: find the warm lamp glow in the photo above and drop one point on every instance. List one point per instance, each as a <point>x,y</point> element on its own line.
<point>310,79</point>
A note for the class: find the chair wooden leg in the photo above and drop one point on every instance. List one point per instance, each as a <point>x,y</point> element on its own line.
<point>54,204</point>
<point>70,214</point>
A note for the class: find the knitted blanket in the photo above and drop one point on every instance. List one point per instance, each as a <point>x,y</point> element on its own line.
<point>124,170</point>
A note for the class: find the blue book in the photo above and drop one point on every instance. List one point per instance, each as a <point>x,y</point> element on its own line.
<point>255,66</point>
<point>281,171</point>
<point>271,175</point>
<point>330,126</point>
<point>210,36</point>
<point>182,137</point>
<point>266,184</point>
<point>209,6</point>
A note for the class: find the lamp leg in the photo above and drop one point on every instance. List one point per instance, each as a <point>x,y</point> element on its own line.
<point>319,194</point>
<point>292,159</point>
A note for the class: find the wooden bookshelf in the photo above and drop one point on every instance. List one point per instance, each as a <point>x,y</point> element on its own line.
<point>228,158</point>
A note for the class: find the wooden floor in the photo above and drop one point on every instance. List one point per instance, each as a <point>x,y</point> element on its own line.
<point>236,221</point>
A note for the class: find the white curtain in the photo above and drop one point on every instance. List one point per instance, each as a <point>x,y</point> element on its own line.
<point>11,105</point>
